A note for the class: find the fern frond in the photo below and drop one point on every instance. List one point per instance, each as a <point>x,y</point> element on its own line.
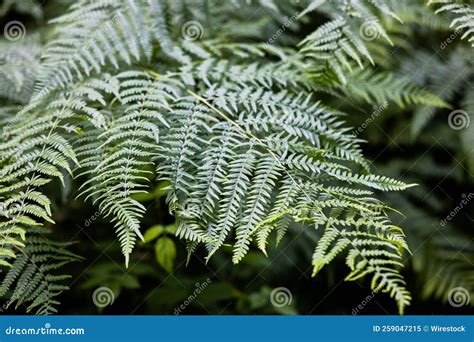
<point>32,8</point>
<point>35,150</point>
<point>340,42</point>
<point>241,201</point>
<point>117,158</point>
<point>416,12</point>
<point>33,281</point>
<point>233,128</point>
<point>446,269</point>
<point>336,38</point>
<point>363,260</point>
<point>19,62</point>
<point>115,32</point>
<point>464,17</point>
<point>383,87</point>
<point>441,79</point>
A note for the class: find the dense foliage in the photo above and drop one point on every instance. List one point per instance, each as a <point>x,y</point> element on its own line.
<point>226,125</point>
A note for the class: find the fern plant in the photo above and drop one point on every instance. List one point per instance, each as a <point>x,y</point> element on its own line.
<point>440,139</point>
<point>464,17</point>
<point>238,128</point>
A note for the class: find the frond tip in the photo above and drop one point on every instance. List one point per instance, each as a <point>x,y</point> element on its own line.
<point>377,253</point>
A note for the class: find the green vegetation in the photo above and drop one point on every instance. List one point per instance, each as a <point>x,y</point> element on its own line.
<point>202,132</point>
